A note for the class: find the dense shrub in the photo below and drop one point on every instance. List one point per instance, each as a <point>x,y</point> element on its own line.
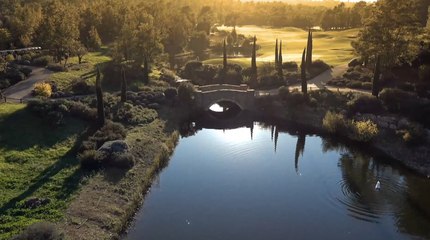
<point>363,131</point>
<point>132,114</point>
<point>56,68</point>
<point>318,67</point>
<point>296,98</point>
<point>40,231</point>
<point>94,160</point>
<point>10,58</point>
<point>26,57</point>
<point>397,100</point>
<point>4,83</point>
<point>14,74</point>
<point>42,90</point>
<point>109,132</point>
<point>186,92</point>
<point>354,84</point>
<point>328,98</point>
<point>413,134</point>
<point>171,93</point>
<point>81,87</point>
<point>290,66</point>
<point>42,61</point>
<point>284,92</point>
<point>335,123</point>
<point>26,71</point>
<point>365,104</point>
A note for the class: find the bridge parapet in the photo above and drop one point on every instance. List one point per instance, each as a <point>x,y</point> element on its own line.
<point>215,87</point>
<point>241,95</point>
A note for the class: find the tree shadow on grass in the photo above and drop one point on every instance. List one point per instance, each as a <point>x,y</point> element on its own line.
<point>23,130</point>
<point>70,185</point>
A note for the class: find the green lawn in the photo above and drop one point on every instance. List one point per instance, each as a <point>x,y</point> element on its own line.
<point>36,160</point>
<point>332,47</point>
<point>85,70</point>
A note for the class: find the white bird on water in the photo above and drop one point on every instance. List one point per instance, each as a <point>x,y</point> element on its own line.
<point>378,186</point>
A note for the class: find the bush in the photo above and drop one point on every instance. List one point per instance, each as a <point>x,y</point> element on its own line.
<point>365,104</point>
<point>26,57</point>
<point>56,68</point>
<point>26,71</point>
<point>95,160</point>
<point>296,98</point>
<point>413,134</point>
<point>55,117</point>
<point>40,231</point>
<point>81,87</point>
<point>109,132</point>
<point>14,75</point>
<point>290,66</point>
<point>10,58</point>
<point>43,61</point>
<point>398,100</point>
<point>42,89</point>
<point>363,131</point>
<point>121,160</point>
<point>354,84</point>
<point>171,93</point>
<point>81,110</point>
<point>335,123</point>
<point>186,92</point>
<point>318,67</point>
<point>132,114</point>
<point>90,159</point>
<point>4,83</point>
<point>284,92</point>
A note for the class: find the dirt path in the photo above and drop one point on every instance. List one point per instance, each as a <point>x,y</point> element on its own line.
<point>23,89</point>
<point>319,82</point>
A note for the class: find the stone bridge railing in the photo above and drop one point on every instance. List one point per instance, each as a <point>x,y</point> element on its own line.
<point>240,95</point>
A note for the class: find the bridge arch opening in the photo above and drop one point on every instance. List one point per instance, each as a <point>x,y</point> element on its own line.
<point>224,109</point>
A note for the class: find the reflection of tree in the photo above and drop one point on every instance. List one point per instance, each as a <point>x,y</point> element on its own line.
<point>276,137</point>
<point>300,148</point>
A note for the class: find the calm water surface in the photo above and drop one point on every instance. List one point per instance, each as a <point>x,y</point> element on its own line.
<point>221,184</point>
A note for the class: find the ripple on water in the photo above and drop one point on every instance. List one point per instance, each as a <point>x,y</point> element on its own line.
<point>363,201</point>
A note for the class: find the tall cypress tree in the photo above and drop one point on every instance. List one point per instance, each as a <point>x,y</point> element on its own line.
<point>254,56</point>
<point>100,104</point>
<point>146,70</point>
<point>123,86</point>
<point>279,67</point>
<point>254,62</point>
<point>309,50</point>
<point>303,73</point>
<point>376,74</point>
<point>224,62</point>
<point>276,53</point>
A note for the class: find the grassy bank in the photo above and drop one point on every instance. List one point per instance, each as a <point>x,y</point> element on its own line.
<point>84,71</point>
<point>110,199</point>
<point>332,47</point>
<point>36,161</point>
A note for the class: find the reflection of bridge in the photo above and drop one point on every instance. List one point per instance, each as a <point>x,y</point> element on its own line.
<point>240,95</point>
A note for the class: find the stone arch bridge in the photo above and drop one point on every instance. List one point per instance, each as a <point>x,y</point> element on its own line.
<point>240,95</point>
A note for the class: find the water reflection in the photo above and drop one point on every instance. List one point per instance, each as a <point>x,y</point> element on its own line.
<point>268,181</point>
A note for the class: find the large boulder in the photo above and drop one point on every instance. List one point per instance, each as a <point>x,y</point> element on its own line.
<point>117,146</point>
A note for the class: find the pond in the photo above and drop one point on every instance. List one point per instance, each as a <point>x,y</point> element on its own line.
<point>273,182</point>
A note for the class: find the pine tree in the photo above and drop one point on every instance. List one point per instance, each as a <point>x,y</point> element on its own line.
<point>276,53</point>
<point>309,50</point>
<point>224,57</point>
<point>100,104</point>
<point>377,73</point>
<point>303,73</point>
<point>123,86</point>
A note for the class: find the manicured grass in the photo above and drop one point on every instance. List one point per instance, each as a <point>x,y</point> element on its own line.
<point>333,47</point>
<point>85,70</point>
<point>36,160</point>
